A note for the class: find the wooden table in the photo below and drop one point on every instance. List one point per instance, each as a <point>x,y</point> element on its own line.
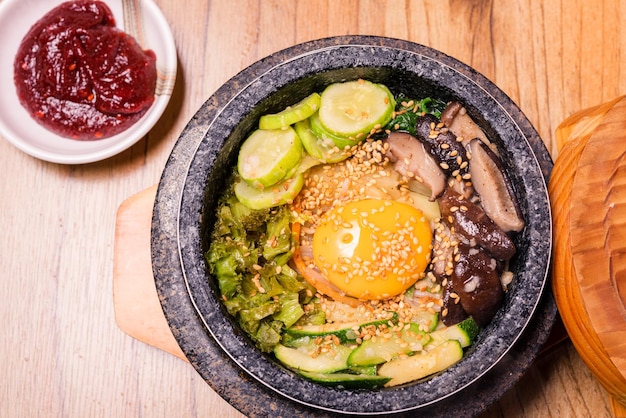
<point>63,354</point>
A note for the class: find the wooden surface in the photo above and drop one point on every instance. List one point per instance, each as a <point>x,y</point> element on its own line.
<point>63,354</point>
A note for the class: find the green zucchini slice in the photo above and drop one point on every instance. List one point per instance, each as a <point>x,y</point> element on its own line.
<point>352,109</point>
<point>292,114</point>
<point>266,156</point>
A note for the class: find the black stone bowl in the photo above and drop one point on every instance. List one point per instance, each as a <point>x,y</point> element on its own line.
<point>194,177</point>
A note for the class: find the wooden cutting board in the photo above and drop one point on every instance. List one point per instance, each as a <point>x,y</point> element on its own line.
<point>588,195</point>
<point>137,308</point>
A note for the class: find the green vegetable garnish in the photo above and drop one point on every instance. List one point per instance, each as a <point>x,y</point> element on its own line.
<point>408,110</point>
<point>248,255</point>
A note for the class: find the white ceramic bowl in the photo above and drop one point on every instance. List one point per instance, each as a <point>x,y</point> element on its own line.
<point>140,18</point>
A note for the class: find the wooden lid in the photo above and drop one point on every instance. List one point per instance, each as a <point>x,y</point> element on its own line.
<point>588,196</point>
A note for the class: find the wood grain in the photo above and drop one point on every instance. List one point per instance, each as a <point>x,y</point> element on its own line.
<point>587,193</point>
<point>63,353</point>
<point>135,300</point>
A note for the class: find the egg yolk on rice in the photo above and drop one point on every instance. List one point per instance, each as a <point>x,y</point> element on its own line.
<point>372,249</point>
<point>364,234</point>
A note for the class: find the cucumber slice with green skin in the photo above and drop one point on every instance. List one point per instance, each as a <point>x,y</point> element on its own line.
<point>470,327</point>
<point>295,342</point>
<point>267,156</point>
<point>306,163</point>
<point>345,332</point>
<point>347,380</point>
<point>303,358</point>
<point>321,149</point>
<point>464,332</point>
<point>408,369</point>
<point>369,370</point>
<point>292,114</point>
<point>343,143</point>
<point>276,195</point>
<point>355,108</point>
<point>427,321</point>
<point>381,350</point>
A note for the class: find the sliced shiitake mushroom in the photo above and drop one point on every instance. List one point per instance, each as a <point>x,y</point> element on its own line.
<point>452,312</point>
<point>411,159</point>
<point>455,117</point>
<point>476,282</point>
<point>470,221</point>
<point>494,187</point>
<point>443,146</point>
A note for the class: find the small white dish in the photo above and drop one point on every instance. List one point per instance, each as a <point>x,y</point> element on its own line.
<point>140,18</point>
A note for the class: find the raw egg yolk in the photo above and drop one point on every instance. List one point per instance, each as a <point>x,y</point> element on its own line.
<point>373,249</point>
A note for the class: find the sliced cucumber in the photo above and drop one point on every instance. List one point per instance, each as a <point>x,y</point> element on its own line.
<point>464,332</point>
<point>382,349</point>
<point>355,108</point>
<point>408,369</point>
<point>343,143</point>
<point>321,149</point>
<point>292,114</point>
<point>348,331</point>
<point>267,156</point>
<point>278,194</point>
<point>470,327</point>
<point>306,163</point>
<point>370,370</point>
<point>311,359</point>
<point>427,320</point>
<point>347,380</point>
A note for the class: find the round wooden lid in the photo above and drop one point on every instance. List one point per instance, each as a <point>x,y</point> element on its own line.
<point>588,195</point>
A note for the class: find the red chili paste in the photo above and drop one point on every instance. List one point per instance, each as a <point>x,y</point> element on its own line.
<point>80,76</point>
